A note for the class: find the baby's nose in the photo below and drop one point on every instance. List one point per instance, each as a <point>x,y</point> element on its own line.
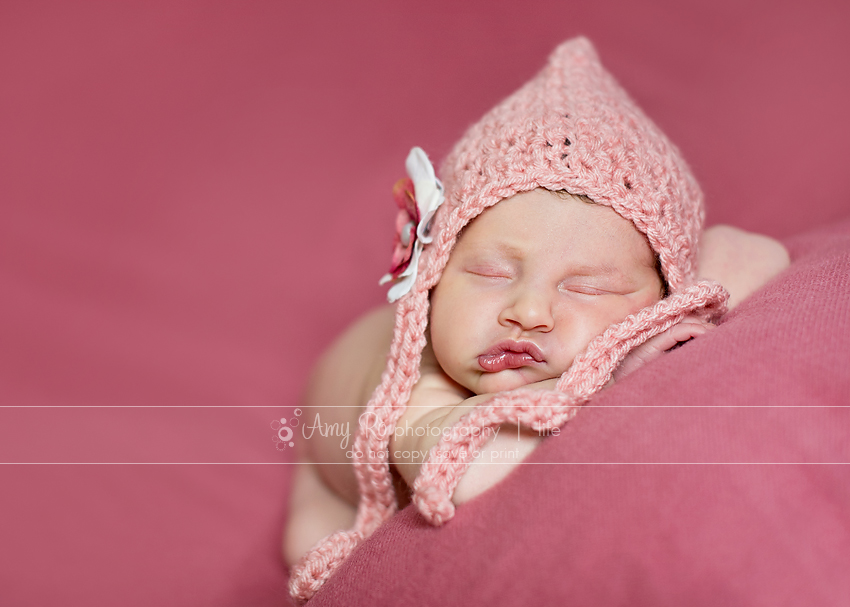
<point>531,309</point>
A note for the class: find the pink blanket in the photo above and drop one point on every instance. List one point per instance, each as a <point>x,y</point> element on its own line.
<point>196,200</point>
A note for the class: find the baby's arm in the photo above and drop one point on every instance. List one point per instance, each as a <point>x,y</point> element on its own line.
<point>324,492</point>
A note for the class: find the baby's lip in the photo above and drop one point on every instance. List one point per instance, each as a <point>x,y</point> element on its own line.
<point>509,354</point>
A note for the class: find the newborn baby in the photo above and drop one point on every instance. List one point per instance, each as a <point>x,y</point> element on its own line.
<point>564,257</point>
<point>529,283</point>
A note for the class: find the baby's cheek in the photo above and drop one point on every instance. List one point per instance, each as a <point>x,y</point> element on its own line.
<point>619,309</point>
<point>447,357</point>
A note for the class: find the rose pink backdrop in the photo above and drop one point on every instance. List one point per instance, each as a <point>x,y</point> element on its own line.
<point>196,200</point>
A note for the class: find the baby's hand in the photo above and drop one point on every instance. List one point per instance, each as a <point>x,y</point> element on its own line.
<point>690,327</point>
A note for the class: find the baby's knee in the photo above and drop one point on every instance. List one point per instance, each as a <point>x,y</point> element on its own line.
<point>315,511</point>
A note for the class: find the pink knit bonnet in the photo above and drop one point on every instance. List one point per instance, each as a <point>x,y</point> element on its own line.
<point>572,128</point>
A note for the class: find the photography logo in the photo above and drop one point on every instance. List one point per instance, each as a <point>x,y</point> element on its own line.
<point>283,431</point>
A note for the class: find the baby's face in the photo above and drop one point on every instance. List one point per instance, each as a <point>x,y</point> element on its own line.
<point>530,283</point>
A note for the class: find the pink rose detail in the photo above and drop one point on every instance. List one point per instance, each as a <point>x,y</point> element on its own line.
<point>405,225</point>
<point>418,197</point>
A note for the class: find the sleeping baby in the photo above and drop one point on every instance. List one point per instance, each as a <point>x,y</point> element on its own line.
<point>562,251</point>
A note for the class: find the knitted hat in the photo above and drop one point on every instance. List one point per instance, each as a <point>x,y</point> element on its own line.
<point>570,128</point>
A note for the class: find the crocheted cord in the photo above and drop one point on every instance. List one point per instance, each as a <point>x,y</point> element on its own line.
<point>320,562</point>
<point>570,128</point>
<point>371,449</point>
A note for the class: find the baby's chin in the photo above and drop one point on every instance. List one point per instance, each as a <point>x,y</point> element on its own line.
<point>504,381</point>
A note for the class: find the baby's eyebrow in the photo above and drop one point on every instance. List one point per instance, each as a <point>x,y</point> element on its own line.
<point>510,251</point>
<point>596,268</point>
<point>499,248</point>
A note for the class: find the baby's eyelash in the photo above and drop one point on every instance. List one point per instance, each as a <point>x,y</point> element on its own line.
<point>586,289</point>
<point>489,272</point>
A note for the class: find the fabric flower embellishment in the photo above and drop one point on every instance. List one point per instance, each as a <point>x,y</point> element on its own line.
<point>418,197</point>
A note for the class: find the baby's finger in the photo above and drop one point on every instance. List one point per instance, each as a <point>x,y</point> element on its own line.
<point>683,332</point>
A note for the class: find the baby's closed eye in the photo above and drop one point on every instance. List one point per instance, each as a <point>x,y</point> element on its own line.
<point>490,271</point>
<point>594,286</point>
<point>586,290</point>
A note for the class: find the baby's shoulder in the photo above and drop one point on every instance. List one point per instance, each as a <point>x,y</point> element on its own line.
<point>739,260</point>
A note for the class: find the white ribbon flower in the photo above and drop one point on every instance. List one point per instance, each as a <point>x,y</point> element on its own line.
<point>418,197</point>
